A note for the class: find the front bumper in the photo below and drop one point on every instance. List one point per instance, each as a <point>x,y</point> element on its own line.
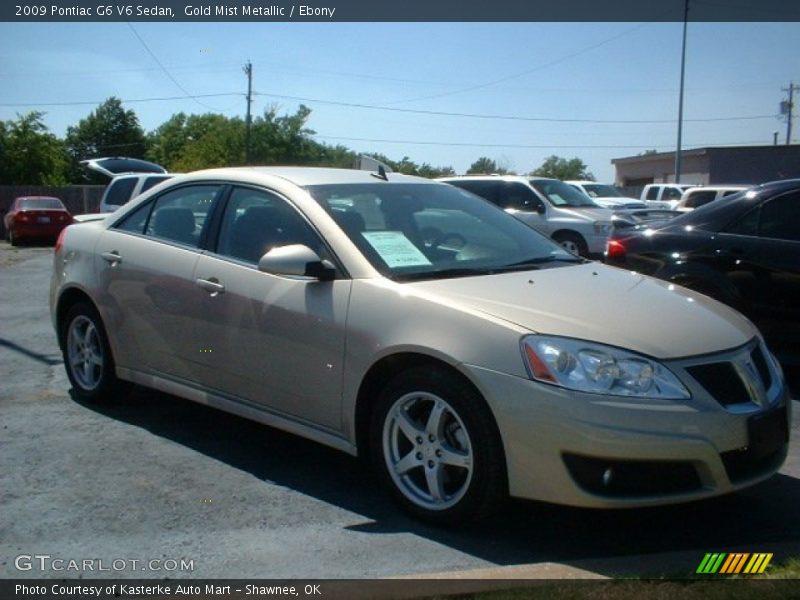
<point>596,244</point>
<point>604,451</point>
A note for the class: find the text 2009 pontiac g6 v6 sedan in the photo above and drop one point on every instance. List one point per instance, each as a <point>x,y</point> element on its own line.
<point>410,320</point>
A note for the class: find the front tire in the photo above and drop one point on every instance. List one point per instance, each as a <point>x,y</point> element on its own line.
<point>87,354</point>
<point>572,242</point>
<point>436,446</point>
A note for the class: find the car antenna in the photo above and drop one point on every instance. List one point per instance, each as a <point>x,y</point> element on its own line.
<point>368,163</point>
<point>381,174</point>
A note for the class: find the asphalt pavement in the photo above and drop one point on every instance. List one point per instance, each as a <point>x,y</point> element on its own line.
<point>150,477</point>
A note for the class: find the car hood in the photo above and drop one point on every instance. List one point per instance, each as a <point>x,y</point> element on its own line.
<point>603,304</point>
<point>594,214</point>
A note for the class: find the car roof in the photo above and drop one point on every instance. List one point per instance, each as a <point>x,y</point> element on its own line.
<point>304,176</point>
<point>498,178</point>
<point>37,198</point>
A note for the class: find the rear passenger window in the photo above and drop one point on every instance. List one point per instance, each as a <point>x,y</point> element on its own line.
<point>151,181</point>
<point>119,191</point>
<point>180,215</point>
<point>698,199</point>
<point>135,222</point>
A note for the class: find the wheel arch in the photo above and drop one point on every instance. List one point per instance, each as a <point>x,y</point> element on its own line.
<point>381,372</point>
<point>69,298</point>
<point>566,231</point>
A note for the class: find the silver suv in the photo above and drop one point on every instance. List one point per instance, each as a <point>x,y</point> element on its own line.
<point>548,205</point>
<point>129,178</point>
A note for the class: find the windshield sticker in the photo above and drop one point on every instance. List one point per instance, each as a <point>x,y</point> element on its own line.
<point>396,249</point>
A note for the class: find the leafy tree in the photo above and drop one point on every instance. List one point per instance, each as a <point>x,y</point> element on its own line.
<point>409,167</point>
<point>285,140</point>
<point>562,168</point>
<point>486,166</point>
<point>30,154</point>
<point>109,130</point>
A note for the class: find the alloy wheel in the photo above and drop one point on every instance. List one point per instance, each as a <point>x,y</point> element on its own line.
<point>427,450</point>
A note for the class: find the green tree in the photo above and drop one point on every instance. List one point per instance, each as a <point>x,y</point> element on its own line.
<point>30,154</point>
<point>109,130</point>
<point>485,166</point>
<point>562,168</point>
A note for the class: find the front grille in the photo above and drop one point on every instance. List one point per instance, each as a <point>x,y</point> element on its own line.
<point>721,381</point>
<point>614,477</point>
<point>740,379</point>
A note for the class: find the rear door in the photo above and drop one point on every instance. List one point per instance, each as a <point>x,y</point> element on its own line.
<point>145,264</point>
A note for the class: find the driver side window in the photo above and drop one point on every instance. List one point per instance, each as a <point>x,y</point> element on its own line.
<point>256,221</point>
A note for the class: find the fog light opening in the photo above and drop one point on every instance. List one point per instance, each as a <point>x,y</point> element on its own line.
<point>608,475</point>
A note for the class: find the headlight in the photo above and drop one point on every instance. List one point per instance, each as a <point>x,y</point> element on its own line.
<point>602,227</point>
<point>598,369</point>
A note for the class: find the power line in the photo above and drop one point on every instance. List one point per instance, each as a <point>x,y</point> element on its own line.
<point>526,71</point>
<point>523,146</point>
<point>133,100</point>
<point>441,113</point>
<point>164,69</point>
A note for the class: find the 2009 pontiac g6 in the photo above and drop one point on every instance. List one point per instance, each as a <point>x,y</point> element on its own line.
<point>471,357</point>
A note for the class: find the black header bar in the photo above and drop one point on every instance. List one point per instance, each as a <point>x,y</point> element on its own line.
<point>398,11</point>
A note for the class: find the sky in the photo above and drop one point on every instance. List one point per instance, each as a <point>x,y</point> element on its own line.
<point>515,92</point>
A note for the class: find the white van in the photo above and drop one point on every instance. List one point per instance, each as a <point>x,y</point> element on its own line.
<point>698,196</point>
<point>550,206</point>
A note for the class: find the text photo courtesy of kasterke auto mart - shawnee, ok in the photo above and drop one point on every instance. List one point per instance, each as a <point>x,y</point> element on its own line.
<point>351,300</point>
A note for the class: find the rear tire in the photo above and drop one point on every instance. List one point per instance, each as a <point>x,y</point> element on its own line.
<point>436,446</point>
<point>87,354</point>
<point>13,239</point>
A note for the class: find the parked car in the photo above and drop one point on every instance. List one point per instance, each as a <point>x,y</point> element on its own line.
<point>549,206</point>
<point>470,363</point>
<point>129,178</point>
<point>606,195</point>
<point>664,195</point>
<point>744,251</point>
<point>35,217</point>
<point>698,196</point>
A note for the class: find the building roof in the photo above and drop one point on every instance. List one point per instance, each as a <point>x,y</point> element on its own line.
<point>701,152</point>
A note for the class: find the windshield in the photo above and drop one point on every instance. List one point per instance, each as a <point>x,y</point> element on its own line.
<point>602,190</point>
<point>41,204</point>
<point>559,194</point>
<point>432,231</point>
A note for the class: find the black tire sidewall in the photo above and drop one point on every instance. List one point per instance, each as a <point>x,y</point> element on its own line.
<point>488,486</point>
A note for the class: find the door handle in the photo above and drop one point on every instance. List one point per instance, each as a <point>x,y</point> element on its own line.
<point>112,257</point>
<point>211,285</point>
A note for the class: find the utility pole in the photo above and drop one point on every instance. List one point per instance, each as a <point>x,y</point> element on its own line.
<point>786,109</point>
<point>248,70</point>
<point>680,95</point>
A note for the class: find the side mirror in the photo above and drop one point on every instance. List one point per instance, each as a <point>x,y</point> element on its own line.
<point>296,260</point>
<point>539,208</point>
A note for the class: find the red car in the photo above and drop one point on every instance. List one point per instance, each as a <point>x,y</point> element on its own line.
<point>35,217</point>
